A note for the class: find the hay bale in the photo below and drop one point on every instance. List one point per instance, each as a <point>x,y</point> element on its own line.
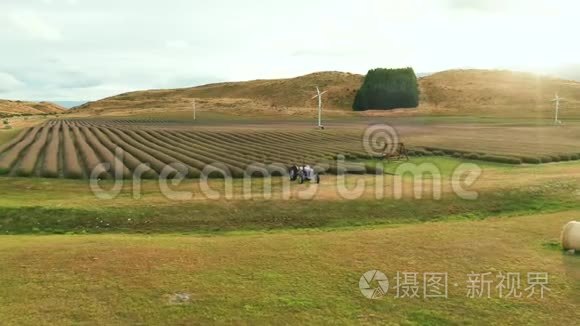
<point>571,236</point>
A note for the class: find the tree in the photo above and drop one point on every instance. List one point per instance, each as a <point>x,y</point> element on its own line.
<point>387,89</point>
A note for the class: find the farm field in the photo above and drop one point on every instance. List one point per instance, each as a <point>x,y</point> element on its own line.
<point>68,257</point>
<point>526,142</point>
<point>412,163</point>
<point>86,148</point>
<point>78,148</point>
<point>287,276</point>
<point>47,206</point>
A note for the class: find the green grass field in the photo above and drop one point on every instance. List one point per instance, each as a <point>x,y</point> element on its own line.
<point>67,257</point>
<point>308,276</point>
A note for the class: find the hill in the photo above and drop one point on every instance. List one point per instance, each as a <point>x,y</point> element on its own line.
<point>10,108</point>
<point>495,92</point>
<point>274,94</point>
<point>456,92</point>
<point>292,92</point>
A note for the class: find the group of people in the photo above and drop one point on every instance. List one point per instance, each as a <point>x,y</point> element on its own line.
<point>307,170</point>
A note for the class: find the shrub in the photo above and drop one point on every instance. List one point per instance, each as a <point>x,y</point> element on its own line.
<point>564,157</point>
<point>531,160</point>
<point>574,157</point>
<point>7,127</point>
<point>501,159</point>
<point>89,156</point>
<point>50,166</point>
<point>418,152</point>
<point>29,160</point>
<point>373,168</point>
<point>141,151</point>
<point>11,156</point>
<point>72,168</point>
<point>555,158</point>
<point>472,156</point>
<point>6,121</point>
<point>438,153</point>
<point>422,152</point>
<point>388,89</point>
<point>546,159</point>
<point>457,154</point>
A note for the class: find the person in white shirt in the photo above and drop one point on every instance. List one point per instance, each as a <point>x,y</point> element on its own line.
<point>308,172</point>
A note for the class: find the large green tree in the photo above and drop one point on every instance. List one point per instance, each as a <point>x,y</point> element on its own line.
<point>386,89</point>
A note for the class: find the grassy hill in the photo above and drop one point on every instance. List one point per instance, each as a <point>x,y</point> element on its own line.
<point>273,95</point>
<point>453,92</point>
<point>498,93</point>
<point>10,108</point>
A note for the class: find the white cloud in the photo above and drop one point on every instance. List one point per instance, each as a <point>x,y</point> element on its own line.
<point>177,44</point>
<point>34,26</point>
<point>62,49</point>
<point>51,2</point>
<point>9,83</point>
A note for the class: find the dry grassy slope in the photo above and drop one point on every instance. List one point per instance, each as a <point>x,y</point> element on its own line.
<point>497,92</point>
<point>275,94</point>
<point>21,107</point>
<point>293,92</point>
<point>460,91</point>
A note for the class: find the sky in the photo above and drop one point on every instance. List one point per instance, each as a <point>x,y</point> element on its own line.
<point>90,49</point>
